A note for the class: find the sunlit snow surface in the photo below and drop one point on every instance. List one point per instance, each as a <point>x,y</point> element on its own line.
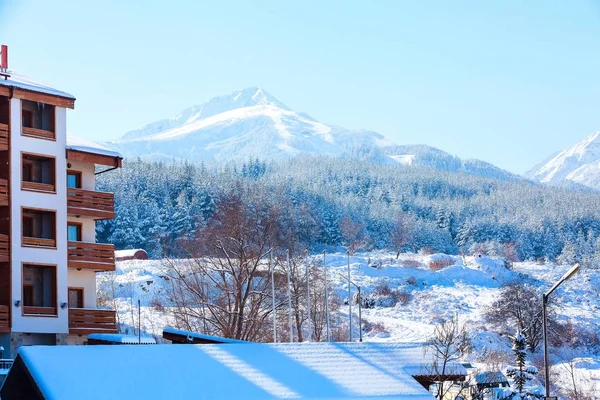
<point>228,371</point>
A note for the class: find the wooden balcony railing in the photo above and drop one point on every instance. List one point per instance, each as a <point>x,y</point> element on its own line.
<point>3,192</point>
<point>83,321</point>
<point>38,242</point>
<point>33,310</point>
<point>4,135</point>
<point>38,133</point>
<point>89,203</point>
<point>92,256</point>
<point>4,319</point>
<point>38,187</point>
<point>4,248</point>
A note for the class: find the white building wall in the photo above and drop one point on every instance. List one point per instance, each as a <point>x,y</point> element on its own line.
<point>57,202</point>
<point>88,179</point>
<point>87,281</point>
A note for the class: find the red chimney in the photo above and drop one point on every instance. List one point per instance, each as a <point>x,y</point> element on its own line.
<point>4,57</point>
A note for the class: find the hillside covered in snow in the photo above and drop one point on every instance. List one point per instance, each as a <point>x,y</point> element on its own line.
<point>404,298</point>
<point>576,165</point>
<point>251,123</point>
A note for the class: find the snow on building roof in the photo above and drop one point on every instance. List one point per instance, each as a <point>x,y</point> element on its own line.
<point>225,371</point>
<point>23,82</point>
<point>87,146</point>
<point>122,339</point>
<point>190,336</point>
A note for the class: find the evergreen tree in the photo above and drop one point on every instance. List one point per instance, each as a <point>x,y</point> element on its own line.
<point>520,374</point>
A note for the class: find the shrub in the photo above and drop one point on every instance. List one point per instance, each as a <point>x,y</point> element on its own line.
<point>156,303</point>
<point>426,251</point>
<point>411,263</point>
<point>412,281</point>
<point>382,289</point>
<point>437,265</point>
<point>403,298</point>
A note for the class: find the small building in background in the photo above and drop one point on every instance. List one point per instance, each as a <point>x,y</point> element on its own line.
<point>177,336</point>
<point>118,339</point>
<point>133,254</point>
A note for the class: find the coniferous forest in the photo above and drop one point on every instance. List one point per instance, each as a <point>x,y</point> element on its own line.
<point>326,202</point>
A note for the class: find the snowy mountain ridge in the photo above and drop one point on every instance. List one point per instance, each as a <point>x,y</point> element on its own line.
<point>579,164</point>
<point>251,123</point>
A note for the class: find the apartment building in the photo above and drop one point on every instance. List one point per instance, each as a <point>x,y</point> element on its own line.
<point>48,210</point>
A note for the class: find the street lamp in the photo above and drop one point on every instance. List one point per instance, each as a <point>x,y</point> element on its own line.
<point>545,296</point>
<point>359,306</point>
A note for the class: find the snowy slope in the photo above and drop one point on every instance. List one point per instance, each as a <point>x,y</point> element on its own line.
<point>466,287</point>
<point>251,123</point>
<point>579,164</point>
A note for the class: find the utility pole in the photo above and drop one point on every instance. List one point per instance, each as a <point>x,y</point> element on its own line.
<point>359,306</point>
<point>545,296</point>
<point>308,298</point>
<point>326,298</point>
<point>287,252</point>
<point>273,295</point>
<point>349,299</point>
<point>139,322</point>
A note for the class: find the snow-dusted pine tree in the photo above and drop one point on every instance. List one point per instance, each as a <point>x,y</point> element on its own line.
<point>521,373</point>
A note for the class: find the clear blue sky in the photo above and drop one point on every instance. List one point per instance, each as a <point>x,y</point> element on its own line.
<point>508,82</point>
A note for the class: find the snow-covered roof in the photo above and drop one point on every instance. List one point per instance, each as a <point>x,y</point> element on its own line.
<point>87,146</point>
<point>227,371</point>
<point>201,336</point>
<point>23,82</point>
<point>123,339</point>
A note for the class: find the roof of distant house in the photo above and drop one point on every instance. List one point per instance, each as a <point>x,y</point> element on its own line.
<point>121,339</point>
<point>490,377</point>
<point>196,338</point>
<point>25,83</point>
<point>223,371</point>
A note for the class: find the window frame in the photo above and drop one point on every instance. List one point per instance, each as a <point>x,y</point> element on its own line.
<point>32,186</point>
<point>79,225</point>
<point>54,294</point>
<point>52,245</point>
<point>79,176</point>
<point>76,289</point>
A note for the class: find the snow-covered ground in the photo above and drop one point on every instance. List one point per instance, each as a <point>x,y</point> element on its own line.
<point>465,288</point>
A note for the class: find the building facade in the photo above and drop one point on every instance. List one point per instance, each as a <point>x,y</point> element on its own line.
<point>48,209</point>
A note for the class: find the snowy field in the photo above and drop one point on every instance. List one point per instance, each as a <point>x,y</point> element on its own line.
<point>465,287</point>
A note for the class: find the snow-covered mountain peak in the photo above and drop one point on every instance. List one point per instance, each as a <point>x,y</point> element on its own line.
<point>579,163</point>
<point>249,97</point>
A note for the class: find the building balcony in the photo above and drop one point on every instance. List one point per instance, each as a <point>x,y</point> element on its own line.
<point>39,311</point>
<point>84,321</point>
<point>38,242</point>
<point>38,133</point>
<point>91,256</point>
<point>3,192</point>
<point>4,319</point>
<point>4,248</point>
<point>4,135</point>
<point>89,203</point>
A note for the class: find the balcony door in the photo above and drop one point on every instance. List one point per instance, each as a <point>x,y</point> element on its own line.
<point>39,289</point>
<point>73,179</point>
<point>74,232</point>
<point>75,297</point>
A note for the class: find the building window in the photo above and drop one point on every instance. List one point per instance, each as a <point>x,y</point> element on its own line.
<point>37,119</point>
<point>73,179</point>
<point>39,228</point>
<point>38,172</point>
<point>39,289</point>
<point>75,297</point>
<point>74,232</point>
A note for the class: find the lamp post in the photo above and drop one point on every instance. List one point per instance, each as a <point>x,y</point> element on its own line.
<point>359,306</point>
<point>545,296</point>
<point>349,300</point>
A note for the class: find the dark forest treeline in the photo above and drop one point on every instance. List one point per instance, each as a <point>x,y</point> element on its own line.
<point>332,202</point>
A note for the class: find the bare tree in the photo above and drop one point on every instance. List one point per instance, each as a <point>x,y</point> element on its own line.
<point>518,305</point>
<point>224,285</point>
<point>351,234</point>
<point>401,231</point>
<point>449,343</point>
<point>107,293</point>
